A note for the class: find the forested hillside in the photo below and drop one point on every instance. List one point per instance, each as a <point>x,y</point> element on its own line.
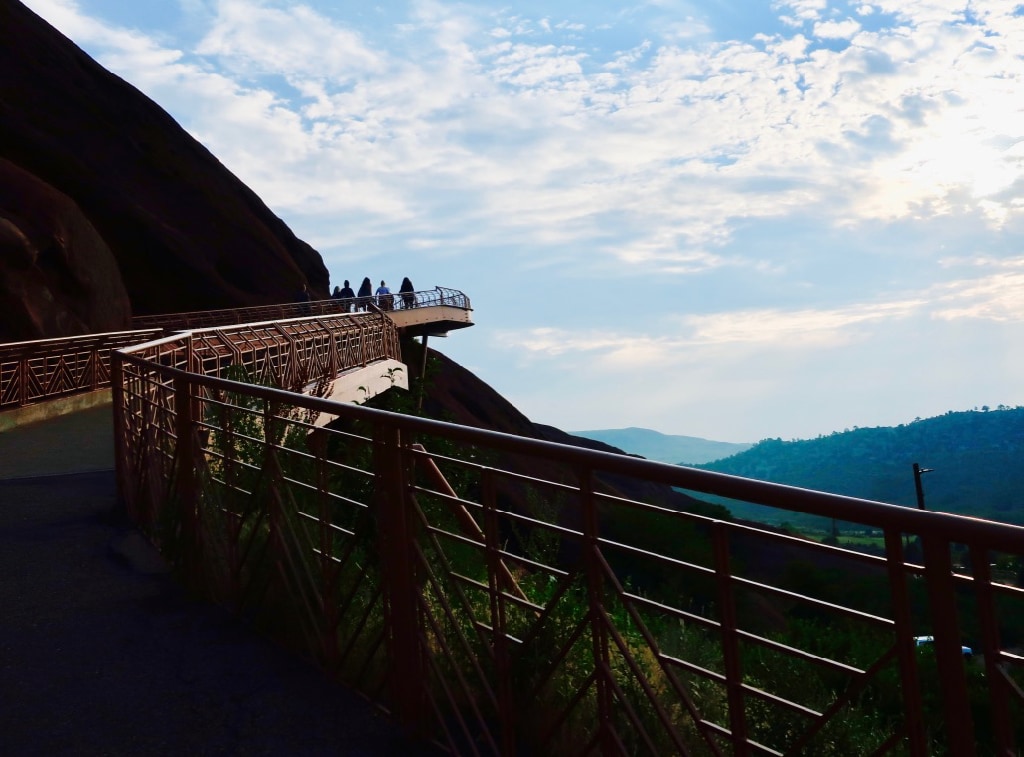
<point>976,457</point>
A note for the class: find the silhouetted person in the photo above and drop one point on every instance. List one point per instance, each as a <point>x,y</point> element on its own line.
<point>408,293</point>
<point>365,293</point>
<point>384,299</point>
<point>346,295</point>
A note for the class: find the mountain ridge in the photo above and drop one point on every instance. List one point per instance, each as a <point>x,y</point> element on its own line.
<point>973,457</point>
<point>665,448</point>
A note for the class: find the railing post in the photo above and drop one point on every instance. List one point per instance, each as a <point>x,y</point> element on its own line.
<point>397,545</point>
<point>186,481</point>
<point>948,653</point>
<point>595,596</point>
<point>121,467</point>
<point>496,573</point>
<point>730,639</point>
<point>23,381</point>
<point>1002,725</point>
<point>906,655</point>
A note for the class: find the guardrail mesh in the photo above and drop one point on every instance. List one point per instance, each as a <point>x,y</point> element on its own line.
<point>45,369</point>
<point>500,595</point>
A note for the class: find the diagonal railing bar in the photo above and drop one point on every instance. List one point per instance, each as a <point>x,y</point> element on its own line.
<point>638,727</point>
<point>858,685</point>
<point>578,658</point>
<point>44,369</point>
<point>582,690</point>
<point>470,736</point>
<point>432,535</point>
<point>448,609</point>
<point>889,745</point>
<point>466,522</point>
<point>470,704</point>
<point>678,687</point>
<point>645,685</point>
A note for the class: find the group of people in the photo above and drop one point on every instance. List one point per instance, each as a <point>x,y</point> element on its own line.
<point>382,297</point>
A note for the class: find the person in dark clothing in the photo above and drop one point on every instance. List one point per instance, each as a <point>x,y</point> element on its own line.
<point>408,293</point>
<point>365,293</point>
<point>346,295</point>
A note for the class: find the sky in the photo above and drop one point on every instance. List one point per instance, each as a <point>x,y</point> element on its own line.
<point>730,219</point>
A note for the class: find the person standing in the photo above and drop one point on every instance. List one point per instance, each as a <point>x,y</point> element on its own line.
<point>384,300</point>
<point>365,293</point>
<point>408,293</point>
<point>346,295</point>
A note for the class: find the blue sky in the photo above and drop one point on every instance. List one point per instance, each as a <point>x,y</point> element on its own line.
<point>733,220</point>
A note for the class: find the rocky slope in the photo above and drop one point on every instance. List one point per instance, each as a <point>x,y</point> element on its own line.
<point>57,275</point>
<point>184,231</point>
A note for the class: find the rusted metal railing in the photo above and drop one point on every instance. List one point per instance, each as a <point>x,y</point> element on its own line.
<point>439,296</point>
<point>571,619</point>
<point>46,369</point>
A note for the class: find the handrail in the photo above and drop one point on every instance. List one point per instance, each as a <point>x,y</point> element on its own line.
<point>291,353</point>
<point>439,296</point>
<point>522,633</point>
<point>45,369</point>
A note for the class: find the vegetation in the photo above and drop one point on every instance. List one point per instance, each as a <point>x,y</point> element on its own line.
<point>974,457</point>
<point>269,496</point>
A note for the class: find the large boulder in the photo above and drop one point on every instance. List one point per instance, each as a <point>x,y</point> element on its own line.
<point>186,233</point>
<point>57,276</point>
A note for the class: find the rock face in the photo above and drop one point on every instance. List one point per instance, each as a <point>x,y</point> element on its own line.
<point>57,276</point>
<point>185,232</point>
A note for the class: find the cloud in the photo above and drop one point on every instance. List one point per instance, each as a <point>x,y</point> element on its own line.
<point>254,39</point>
<point>539,135</point>
<point>836,29</point>
<point>994,297</point>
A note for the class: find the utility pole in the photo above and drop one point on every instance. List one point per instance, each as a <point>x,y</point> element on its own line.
<point>918,472</point>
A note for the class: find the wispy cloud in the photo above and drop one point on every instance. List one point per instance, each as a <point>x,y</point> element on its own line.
<point>674,137</point>
<point>787,188</point>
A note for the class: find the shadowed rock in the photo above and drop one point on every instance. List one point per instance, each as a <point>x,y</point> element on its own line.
<point>185,232</point>
<point>57,276</point>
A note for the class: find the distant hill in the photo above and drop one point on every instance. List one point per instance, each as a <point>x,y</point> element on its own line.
<point>679,450</point>
<point>977,459</point>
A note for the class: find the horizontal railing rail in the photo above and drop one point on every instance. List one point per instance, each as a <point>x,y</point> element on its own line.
<point>438,296</point>
<point>295,354</point>
<point>567,617</point>
<point>47,369</point>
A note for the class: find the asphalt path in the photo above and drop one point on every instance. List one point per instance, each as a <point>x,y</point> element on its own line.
<point>101,652</point>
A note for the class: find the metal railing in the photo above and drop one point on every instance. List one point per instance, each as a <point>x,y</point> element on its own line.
<point>295,354</point>
<point>566,617</point>
<point>46,369</point>
<point>439,296</point>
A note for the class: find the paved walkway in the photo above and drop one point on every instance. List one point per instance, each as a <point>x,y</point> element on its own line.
<point>102,654</point>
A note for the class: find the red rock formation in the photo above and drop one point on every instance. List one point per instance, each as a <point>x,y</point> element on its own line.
<point>57,276</point>
<point>186,233</point>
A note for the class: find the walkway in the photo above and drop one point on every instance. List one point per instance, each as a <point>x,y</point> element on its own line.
<point>102,654</point>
